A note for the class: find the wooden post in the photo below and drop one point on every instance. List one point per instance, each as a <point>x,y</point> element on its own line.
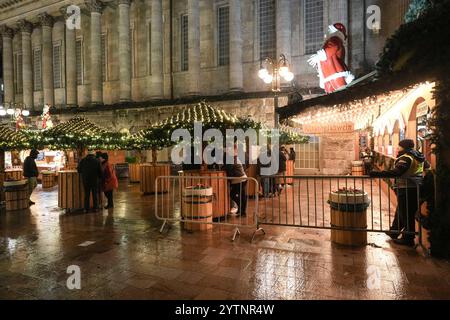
<point>2,175</point>
<point>154,156</point>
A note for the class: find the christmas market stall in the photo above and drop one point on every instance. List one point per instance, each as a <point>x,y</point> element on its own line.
<point>13,188</point>
<point>159,137</point>
<point>76,136</point>
<point>407,96</point>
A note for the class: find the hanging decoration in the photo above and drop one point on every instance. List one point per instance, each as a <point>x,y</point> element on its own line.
<point>46,118</point>
<point>18,118</point>
<point>330,60</point>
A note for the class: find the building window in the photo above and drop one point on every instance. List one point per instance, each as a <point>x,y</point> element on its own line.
<point>267,29</point>
<point>104,56</point>
<point>308,154</point>
<point>79,60</point>
<point>184,43</point>
<point>18,79</point>
<point>223,35</point>
<point>313,25</point>
<point>57,83</point>
<point>37,67</point>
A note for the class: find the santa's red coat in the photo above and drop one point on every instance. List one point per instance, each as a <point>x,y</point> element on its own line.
<point>335,64</point>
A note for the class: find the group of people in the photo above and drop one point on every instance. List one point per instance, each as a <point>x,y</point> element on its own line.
<point>271,186</point>
<point>97,174</point>
<point>98,177</point>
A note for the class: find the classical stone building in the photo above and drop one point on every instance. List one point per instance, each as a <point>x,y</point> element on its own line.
<point>130,63</point>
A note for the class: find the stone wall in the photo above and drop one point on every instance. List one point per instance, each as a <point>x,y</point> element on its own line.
<point>337,151</point>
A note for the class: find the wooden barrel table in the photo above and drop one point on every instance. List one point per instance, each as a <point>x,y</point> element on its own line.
<point>16,195</point>
<point>13,174</point>
<point>214,179</point>
<point>48,180</point>
<point>252,187</point>
<point>149,173</point>
<point>349,211</point>
<point>134,172</point>
<point>70,190</point>
<point>197,207</point>
<point>357,168</point>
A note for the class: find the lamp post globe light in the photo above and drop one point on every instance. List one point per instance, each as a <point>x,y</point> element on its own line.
<point>273,72</point>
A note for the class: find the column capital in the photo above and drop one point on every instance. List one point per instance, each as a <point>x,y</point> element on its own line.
<point>94,5</point>
<point>46,20</point>
<point>6,31</point>
<point>126,2</point>
<point>25,26</point>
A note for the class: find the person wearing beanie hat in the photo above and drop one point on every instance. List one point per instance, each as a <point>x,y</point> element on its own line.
<point>408,169</point>
<point>30,171</point>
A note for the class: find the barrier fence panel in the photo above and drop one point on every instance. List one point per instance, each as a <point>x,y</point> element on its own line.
<point>199,202</point>
<point>310,200</point>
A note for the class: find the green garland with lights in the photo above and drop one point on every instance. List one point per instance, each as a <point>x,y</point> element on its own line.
<point>13,140</point>
<point>159,136</point>
<point>80,133</point>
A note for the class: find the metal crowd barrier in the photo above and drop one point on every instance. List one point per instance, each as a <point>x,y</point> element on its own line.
<point>197,208</point>
<point>303,201</point>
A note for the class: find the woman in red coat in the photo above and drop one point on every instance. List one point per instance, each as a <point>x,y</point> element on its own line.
<point>109,181</point>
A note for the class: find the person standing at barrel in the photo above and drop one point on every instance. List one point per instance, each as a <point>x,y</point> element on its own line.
<point>91,174</point>
<point>238,183</point>
<point>30,171</point>
<point>109,180</point>
<point>408,170</point>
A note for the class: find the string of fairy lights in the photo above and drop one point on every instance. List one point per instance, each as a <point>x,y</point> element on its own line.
<point>361,112</point>
<point>80,133</point>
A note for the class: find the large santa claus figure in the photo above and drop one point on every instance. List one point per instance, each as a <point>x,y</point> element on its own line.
<point>330,60</point>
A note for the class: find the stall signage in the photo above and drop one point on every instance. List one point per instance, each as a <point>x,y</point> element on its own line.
<point>422,109</point>
<point>343,127</point>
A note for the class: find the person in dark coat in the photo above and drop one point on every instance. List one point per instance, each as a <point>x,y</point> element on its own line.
<point>30,171</point>
<point>409,168</point>
<point>91,174</point>
<point>283,158</point>
<point>238,183</point>
<point>292,154</point>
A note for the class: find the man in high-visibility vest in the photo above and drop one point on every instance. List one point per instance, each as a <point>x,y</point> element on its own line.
<point>408,170</point>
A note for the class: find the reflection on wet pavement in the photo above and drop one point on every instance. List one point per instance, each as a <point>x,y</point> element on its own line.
<point>126,258</point>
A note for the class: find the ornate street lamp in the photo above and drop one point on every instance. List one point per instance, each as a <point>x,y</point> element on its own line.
<point>272,72</point>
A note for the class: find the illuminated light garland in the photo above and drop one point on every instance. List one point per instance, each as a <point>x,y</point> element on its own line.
<point>12,140</point>
<point>159,135</point>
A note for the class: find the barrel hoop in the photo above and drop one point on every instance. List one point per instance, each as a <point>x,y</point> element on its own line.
<point>348,207</point>
<point>185,216</point>
<point>350,228</point>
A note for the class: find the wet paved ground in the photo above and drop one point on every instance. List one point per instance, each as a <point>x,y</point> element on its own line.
<point>129,259</point>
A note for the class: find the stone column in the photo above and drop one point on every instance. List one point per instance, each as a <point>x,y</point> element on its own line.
<point>194,47</point>
<point>71,64</point>
<point>96,8</point>
<point>284,28</point>
<point>27,73</point>
<point>8,64</point>
<point>124,50</point>
<point>157,50</point>
<point>47,58</point>
<point>236,73</point>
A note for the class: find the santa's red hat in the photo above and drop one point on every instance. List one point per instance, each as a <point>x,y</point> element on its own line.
<point>341,28</point>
